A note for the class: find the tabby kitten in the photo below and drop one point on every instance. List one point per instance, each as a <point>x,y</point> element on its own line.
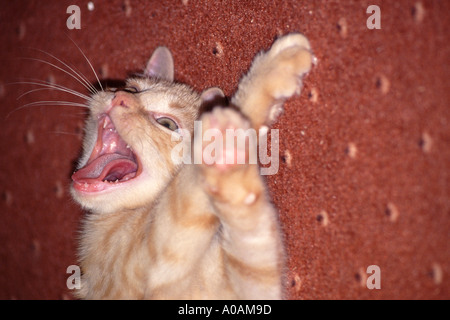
<point>162,229</point>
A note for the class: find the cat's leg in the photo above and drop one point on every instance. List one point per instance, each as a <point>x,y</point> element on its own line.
<point>252,252</point>
<point>180,235</point>
<point>274,76</point>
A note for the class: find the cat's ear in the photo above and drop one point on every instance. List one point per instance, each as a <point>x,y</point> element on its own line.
<point>160,65</point>
<point>211,98</point>
<point>212,94</point>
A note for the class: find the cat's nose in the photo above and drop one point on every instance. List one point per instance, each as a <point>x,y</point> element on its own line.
<point>122,99</point>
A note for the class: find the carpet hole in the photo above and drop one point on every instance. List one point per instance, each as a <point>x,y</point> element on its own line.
<point>436,273</point>
<point>7,197</point>
<point>218,50</point>
<point>287,158</point>
<point>342,27</point>
<point>50,79</point>
<point>351,150</point>
<point>104,71</point>
<point>2,90</point>
<point>382,83</point>
<point>126,7</point>
<point>296,283</point>
<point>361,277</point>
<point>58,190</point>
<point>21,30</point>
<point>322,218</point>
<point>418,12</point>
<point>29,137</point>
<point>313,95</point>
<point>392,212</point>
<point>425,142</point>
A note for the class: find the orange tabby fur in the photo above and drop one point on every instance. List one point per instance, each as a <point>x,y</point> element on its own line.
<point>181,231</point>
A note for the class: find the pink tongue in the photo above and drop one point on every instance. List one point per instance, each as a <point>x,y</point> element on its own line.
<point>110,166</point>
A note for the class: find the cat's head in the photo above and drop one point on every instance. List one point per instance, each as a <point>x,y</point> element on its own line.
<point>126,159</point>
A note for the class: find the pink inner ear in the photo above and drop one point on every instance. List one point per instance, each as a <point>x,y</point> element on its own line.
<point>212,93</point>
<point>160,65</point>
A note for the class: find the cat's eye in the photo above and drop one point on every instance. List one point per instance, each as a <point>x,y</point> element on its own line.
<point>168,123</point>
<point>131,89</point>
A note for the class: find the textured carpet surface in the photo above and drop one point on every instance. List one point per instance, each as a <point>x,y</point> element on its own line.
<point>364,150</point>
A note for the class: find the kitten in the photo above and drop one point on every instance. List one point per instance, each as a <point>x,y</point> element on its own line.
<point>158,229</point>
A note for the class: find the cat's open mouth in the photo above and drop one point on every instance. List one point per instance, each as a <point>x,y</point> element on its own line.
<point>112,161</point>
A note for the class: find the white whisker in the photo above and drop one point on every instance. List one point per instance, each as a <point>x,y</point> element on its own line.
<point>54,103</point>
<point>89,62</point>
<point>76,76</point>
<point>50,86</point>
<point>79,74</point>
<point>65,133</point>
<point>49,103</point>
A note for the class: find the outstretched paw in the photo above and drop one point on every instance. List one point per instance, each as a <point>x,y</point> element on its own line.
<point>228,139</point>
<point>274,76</point>
<point>229,157</point>
<point>286,63</point>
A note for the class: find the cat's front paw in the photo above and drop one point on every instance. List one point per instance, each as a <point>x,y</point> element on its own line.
<point>287,61</point>
<point>229,157</point>
<point>275,75</point>
<point>228,141</point>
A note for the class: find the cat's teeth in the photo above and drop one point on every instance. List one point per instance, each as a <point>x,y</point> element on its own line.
<point>128,146</point>
<point>104,124</point>
<point>108,181</point>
